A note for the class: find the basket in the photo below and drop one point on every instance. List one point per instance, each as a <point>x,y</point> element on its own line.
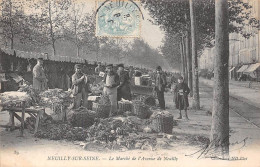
<point>149,100</point>
<point>141,110</point>
<point>82,119</point>
<point>124,106</point>
<point>162,124</point>
<point>101,110</point>
<point>90,104</point>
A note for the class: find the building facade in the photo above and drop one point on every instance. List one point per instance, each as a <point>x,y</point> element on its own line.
<point>242,51</point>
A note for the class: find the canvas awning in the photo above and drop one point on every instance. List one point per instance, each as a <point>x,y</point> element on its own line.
<point>232,69</point>
<point>243,68</point>
<point>252,68</point>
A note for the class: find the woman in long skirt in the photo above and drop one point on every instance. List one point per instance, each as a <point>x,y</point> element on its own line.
<point>181,92</point>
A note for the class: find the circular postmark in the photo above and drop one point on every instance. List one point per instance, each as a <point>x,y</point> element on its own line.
<point>118,18</point>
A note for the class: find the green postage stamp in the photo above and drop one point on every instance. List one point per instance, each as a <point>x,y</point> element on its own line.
<point>118,18</point>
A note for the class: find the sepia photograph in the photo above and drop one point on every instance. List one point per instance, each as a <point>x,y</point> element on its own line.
<point>129,83</point>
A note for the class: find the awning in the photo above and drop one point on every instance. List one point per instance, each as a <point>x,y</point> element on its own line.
<point>232,69</point>
<point>252,67</point>
<point>243,68</point>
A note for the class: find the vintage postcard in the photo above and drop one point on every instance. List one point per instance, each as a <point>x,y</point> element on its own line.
<point>129,83</point>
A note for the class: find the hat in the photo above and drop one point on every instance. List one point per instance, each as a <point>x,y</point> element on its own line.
<point>158,68</point>
<point>78,66</point>
<point>120,65</point>
<point>180,77</point>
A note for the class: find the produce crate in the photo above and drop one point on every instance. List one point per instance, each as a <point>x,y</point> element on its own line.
<point>141,110</point>
<point>124,106</point>
<point>162,124</point>
<point>101,110</point>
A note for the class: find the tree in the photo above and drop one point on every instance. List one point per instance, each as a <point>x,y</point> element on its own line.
<point>80,29</point>
<point>12,22</point>
<point>220,116</point>
<point>47,21</point>
<point>195,76</point>
<point>173,17</point>
<point>171,50</point>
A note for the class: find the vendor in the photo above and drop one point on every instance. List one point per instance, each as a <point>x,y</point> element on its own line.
<point>160,84</point>
<point>123,90</point>
<point>111,82</point>
<point>39,77</point>
<point>80,87</point>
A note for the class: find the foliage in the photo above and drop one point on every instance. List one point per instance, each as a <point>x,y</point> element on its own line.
<point>174,18</point>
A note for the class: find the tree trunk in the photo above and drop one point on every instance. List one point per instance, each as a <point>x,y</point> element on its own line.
<point>11,25</point>
<point>195,78</point>
<point>220,114</point>
<point>182,61</point>
<point>51,30</point>
<point>188,56</point>
<point>185,60</point>
<point>189,62</point>
<point>76,30</point>
<point>78,51</point>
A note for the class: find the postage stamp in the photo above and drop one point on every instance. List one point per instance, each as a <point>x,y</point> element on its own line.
<point>118,18</point>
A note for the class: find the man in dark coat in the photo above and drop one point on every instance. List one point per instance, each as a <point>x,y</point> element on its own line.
<point>80,87</point>
<point>160,84</point>
<point>123,90</point>
<point>181,92</point>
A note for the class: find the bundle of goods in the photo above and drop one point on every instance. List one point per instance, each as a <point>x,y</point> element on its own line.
<point>110,129</point>
<point>124,106</point>
<point>148,100</point>
<point>91,100</point>
<point>162,121</point>
<point>81,117</point>
<point>141,110</point>
<point>102,108</point>
<point>15,99</point>
<point>57,131</point>
<point>33,93</point>
<point>57,99</point>
<point>119,133</point>
<point>97,89</point>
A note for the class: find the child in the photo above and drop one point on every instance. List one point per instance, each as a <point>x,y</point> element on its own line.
<point>181,92</point>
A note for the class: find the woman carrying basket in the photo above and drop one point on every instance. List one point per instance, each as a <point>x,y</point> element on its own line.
<point>181,92</point>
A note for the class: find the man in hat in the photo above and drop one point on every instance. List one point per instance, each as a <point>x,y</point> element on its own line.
<point>39,77</point>
<point>160,84</point>
<point>80,87</point>
<point>181,92</point>
<point>123,90</point>
<point>111,82</point>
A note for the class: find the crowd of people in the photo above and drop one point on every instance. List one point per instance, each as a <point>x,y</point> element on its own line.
<point>117,85</point>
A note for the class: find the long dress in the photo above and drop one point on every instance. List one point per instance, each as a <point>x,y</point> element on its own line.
<point>181,92</point>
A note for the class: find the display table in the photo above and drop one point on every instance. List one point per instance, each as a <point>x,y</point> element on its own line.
<point>36,113</point>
